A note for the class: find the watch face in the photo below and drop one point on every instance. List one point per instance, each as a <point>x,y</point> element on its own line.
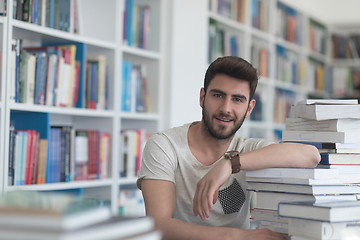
<point>231,153</point>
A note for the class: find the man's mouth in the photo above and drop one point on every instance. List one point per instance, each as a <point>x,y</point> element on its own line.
<point>224,119</point>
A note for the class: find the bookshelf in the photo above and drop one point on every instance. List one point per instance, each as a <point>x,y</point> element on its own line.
<point>104,113</point>
<point>3,23</point>
<point>289,48</point>
<point>345,61</point>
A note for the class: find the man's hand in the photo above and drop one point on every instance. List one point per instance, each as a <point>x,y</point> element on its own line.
<point>208,187</point>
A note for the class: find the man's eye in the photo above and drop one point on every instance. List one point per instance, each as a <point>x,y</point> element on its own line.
<point>217,95</point>
<point>238,99</point>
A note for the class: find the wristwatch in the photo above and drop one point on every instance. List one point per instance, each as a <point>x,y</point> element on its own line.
<point>234,157</point>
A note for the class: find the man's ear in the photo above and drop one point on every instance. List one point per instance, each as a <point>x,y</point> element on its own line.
<point>202,97</point>
<point>251,107</point>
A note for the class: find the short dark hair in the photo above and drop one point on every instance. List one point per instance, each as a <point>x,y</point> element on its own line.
<point>235,67</point>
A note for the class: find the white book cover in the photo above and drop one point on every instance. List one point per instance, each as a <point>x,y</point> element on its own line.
<point>332,211</point>
<point>327,101</point>
<point>301,173</point>
<point>305,189</point>
<point>323,112</point>
<point>319,229</point>
<point>323,136</point>
<point>331,125</point>
<point>271,200</point>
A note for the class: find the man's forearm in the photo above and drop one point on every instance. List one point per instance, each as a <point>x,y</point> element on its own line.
<point>281,155</point>
<point>177,230</point>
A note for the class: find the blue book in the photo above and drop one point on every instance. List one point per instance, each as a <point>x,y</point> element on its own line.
<point>18,157</point>
<point>23,157</point>
<point>51,16</point>
<point>53,163</point>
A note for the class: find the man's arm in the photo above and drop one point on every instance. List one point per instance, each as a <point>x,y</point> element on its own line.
<point>290,155</point>
<point>160,203</point>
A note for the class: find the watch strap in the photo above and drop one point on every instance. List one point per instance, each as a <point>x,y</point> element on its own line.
<point>234,158</point>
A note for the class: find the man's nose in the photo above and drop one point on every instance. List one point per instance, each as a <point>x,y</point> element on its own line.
<point>226,105</point>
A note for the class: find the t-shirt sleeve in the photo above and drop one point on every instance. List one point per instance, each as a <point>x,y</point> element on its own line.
<point>252,144</point>
<point>159,160</point>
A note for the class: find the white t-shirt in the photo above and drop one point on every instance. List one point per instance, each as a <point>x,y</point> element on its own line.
<point>167,156</point>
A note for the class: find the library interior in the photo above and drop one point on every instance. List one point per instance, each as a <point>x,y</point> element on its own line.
<point>85,84</point>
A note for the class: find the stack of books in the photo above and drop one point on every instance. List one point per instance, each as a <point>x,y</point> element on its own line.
<point>40,216</point>
<point>309,220</point>
<point>333,127</point>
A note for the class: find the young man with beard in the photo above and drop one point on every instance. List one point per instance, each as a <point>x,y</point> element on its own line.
<point>192,177</point>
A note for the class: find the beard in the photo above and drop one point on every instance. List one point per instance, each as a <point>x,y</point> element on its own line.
<point>220,133</point>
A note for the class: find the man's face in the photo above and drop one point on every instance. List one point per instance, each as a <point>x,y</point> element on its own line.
<point>225,105</point>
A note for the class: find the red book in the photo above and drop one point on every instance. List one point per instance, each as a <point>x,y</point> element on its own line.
<point>93,160</point>
<point>36,158</point>
<point>77,82</point>
<point>29,156</point>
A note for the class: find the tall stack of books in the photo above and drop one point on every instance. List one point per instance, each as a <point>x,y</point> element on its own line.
<point>40,216</point>
<point>309,220</point>
<point>333,127</point>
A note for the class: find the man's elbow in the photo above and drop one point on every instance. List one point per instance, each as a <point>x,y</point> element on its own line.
<point>312,157</point>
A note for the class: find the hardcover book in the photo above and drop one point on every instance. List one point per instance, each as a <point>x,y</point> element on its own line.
<point>333,211</point>
<point>323,112</point>
<point>319,229</point>
<point>305,189</point>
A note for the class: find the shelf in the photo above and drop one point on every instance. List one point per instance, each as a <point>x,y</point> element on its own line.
<point>63,186</point>
<point>140,116</point>
<point>43,34</point>
<point>141,52</point>
<point>61,110</point>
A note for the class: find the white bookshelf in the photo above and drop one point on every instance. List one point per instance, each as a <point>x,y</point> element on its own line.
<point>268,37</point>
<point>102,25</point>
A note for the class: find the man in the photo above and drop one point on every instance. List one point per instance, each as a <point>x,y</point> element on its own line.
<point>190,188</point>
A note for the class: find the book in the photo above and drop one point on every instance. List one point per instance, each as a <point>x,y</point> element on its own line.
<point>305,189</point>
<point>300,173</point>
<point>319,229</point>
<point>325,111</point>
<point>328,101</point>
<point>41,173</point>
<point>332,211</point>
<point>306,181</point>
<point>349,136</point>
<point>50,211</point>
<point>267,215</point>
<point>331,125</point>
<point>271,200</point>
<point>335,146</point>
<point>279,227</point>
<point>112,228</point>
<point>340,158</point>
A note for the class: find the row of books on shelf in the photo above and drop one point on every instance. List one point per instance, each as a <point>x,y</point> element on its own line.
<point>136,28</point>
<point>317,36</point>
<point>289,23</point>
<point>260,59</point>
<point>235,10</point>
<point>315,203</point>
<point>260,14</point>
<point>289,67</point>
<point>135,96</point>
<point>282,104</point>
<point>41,215</point>
<point>133,141</point>
<point>345,46</point>
<point>57,14</point>
<point>67,155</point>
<point>346,81</point>
<point>222,42</point>
<point>58,75</point>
